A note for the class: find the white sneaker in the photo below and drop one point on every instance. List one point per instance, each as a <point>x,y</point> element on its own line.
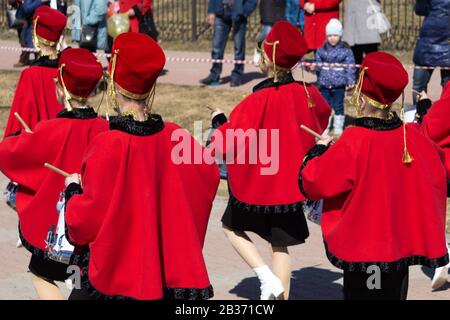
<point>440,277</point>
<point>338,125</point>
<point>272,290</point>
<point>256,57</point>
<point>328,129</point>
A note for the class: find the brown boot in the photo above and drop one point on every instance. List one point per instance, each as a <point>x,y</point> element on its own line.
<point>24,60</point>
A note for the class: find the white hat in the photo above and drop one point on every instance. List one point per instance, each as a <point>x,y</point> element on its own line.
<point>334,27</point>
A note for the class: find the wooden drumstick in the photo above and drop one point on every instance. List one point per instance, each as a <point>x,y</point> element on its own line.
<point>315,134</point>
<point>57,170</point>
<point>24,125</point>
<point>210,109</point>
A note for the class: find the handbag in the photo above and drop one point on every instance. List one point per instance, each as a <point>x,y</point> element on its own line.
<point>147,24</point>
<point>377,19</point>
<point>88,37</point>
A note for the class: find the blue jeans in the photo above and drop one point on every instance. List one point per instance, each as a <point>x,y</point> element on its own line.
<point>27,36</point>
<point>422,77</point>
<point>265,31</point>
<point>335,98</point>
<point>222,27</point>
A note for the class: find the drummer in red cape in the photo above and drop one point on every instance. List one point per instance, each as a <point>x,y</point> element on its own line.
<point>265,199</point>
<point>35,98</point>
<point>384,190</point>
<point>141,213</point>
<point>436,126</point>
<point>61,142</point>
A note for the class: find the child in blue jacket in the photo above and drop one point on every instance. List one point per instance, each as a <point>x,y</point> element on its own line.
<point>333,81</point>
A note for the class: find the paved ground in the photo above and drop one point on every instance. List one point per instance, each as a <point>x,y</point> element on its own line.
<point>182,73</point>
<point>313,276</point>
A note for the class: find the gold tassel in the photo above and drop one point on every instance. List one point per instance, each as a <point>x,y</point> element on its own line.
<point>308,97</point>
<point>149,103</point>
<point>34,35</point>
<point>274,52</point>
<point>355,99</point>
<point>407,158</point>
<point>67,96</point>
<point>112,98</point>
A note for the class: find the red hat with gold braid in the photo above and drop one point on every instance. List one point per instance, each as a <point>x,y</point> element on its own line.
<point>49,25</point>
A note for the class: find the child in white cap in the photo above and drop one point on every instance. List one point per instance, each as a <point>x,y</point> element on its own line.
<point>333,81</point>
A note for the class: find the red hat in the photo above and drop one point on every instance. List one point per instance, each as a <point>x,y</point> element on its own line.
<point>81,72</point>
<point>50,24</point>
<point>287,42</point>
<point>384,78</point>
<point>136,64</point>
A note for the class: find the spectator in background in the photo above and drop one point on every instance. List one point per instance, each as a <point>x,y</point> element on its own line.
<point>20,24</point>
<point>29,7</point>
<point>357,34</point>
<point>317,15</point>
<point>225,16</point>
<point>138,10</point>
<point>60,5</point>
<point>433,46</point>
<point>270,11</point>
<point>93,13</point>
<point>294,14</point>
<point>333,82</point>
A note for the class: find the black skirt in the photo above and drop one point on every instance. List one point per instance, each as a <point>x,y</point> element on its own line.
<point>280,229</point>
<point>48,269</point>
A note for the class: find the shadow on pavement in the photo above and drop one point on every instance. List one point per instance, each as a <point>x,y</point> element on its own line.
<point>247,77</point>
<point>307,284</point>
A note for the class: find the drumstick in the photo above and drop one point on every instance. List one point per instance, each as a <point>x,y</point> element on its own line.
<point>24,125</point>
<point>210,109</point>
<point>57,170</point>
<point>315,134</point>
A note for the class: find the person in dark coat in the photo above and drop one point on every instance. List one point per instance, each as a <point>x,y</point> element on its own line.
<point>432,48</point>
<point>333,82</point>
<point>270,11</point>
<point>225,16</point>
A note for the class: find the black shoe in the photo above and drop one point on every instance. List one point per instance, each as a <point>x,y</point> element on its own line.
<point>210,81</point>
<point>236,83</point>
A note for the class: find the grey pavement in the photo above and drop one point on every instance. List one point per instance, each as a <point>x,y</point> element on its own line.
<point>313,276</point>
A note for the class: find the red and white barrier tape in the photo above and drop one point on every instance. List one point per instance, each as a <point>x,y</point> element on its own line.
<point>232,61</point>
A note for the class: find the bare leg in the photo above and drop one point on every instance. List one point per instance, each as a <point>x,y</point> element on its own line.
<point>46,290</point>
<point>244,247</point>
<point>281,266</point>
<point>271,286</point>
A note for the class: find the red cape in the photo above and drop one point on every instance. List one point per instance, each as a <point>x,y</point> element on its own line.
<point>35,98</point>
<point>60,142</point>
<point>436,124</point>
<point>143,217</point>
<point>390,213</point>
<point>284,108</point>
